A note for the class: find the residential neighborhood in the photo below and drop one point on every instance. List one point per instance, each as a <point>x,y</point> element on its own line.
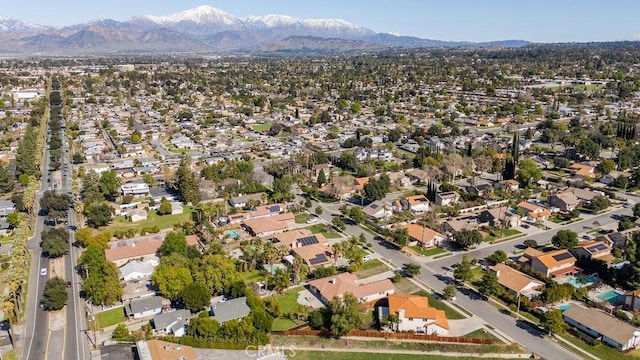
<point>175,205</point>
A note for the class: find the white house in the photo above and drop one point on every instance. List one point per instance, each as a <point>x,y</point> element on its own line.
<point>143,307</point>
<point>414,314</point>
<point>378,210</point>
<point>138,269</point>
<point>135,189</point>
<point>609,329</point>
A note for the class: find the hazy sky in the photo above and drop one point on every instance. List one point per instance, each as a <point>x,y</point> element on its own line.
<point>472,20</point>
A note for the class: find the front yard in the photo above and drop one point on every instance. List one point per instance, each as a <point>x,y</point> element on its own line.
<point>153,219</point>
<point>371,268</point>
<point>428,252</point>
<point>302,218</point>
<point>110,317</point>
<point>324,230</point>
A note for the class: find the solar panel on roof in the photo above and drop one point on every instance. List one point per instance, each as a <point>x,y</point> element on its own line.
<point>373,206</point>
<point>308,240</point>
<point>319,259</point>
<point>561,256</point>
<point>274,208</point>
<point>597,247</point>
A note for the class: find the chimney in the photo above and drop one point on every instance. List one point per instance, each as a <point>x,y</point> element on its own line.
<point>333,281</point>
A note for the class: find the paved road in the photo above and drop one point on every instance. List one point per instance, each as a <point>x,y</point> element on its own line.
<point>37,321</point>
<point>543,346</point>
<point>74,338</point>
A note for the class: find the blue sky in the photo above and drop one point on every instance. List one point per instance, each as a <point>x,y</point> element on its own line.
<point>472,20</point>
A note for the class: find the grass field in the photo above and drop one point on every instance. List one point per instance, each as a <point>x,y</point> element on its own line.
<point>289,300</point>
<point>324,230</point>
<point>385,345</point>
<point>162,221</point>
<point>405,286</point>
<point>370,268</point>
<point>110,317</point>
<point>261,127</point>
<point>282,324</point>
<point>428,252</point>
<point>601,351</point>
<point>337,355</point>
<point>288,303</point>
<point>481,334</point>
<point>302,218</point>
<point>252,276</point>
<point>451,313</point>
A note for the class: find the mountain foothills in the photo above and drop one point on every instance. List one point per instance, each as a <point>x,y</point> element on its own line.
<point>207,29</point>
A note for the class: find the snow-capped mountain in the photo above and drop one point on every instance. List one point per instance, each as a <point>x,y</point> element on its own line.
<point>12,25</point>
<point>202,20</point>
<point>203,29</point>
<point>207,20</point>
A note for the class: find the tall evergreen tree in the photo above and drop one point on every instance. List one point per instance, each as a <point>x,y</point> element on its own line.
<point>187,183</point>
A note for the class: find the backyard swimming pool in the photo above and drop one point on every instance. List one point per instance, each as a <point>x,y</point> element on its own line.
<point>564,307</point>
<point>232,233</point>
<point>582,282</point>
<point>610,296</point>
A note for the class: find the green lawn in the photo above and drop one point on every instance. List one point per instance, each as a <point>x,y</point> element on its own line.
<point>302,218</point>
<point>370,268</point>
<point>481,334</point>
<point>289,300</point>
<point>110,317</point>
<point>601,351</point>
<point>428,252</point>
<point>405,286</point>
<point>288,303</point>
<point>281,324</point>
<point>261,127</point>
<point>510,232</point>
<point>6,240</point>
<point>162,221</point>
<point>252,276</point>
<point>338,355</point>
<point>451,313</point>
<point>324,230</point>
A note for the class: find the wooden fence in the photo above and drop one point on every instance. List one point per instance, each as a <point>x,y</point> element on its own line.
<point>381,335</point>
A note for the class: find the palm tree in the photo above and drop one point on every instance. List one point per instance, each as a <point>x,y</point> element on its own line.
<point>9,308</point>
<point>281,281</point>
<point>338,250</point>
<point>300,269</point>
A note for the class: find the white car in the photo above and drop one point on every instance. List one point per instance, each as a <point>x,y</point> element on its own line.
<point>627,205</point>
<point>312,220</point>
<point>43,272</point>
<point>366,258</point>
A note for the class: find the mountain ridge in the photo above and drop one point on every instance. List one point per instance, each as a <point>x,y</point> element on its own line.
<point>208,29</point>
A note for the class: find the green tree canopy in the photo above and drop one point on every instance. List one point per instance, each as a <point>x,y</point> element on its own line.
<point>565,239</point>
<point>528,172</point>
<point>165,207</point>
<point>55,294</point>
<point>345,315</point>
<point>466,238</point>
<point>195,296</point>
<point>55,242</point>
<point>99,215</point>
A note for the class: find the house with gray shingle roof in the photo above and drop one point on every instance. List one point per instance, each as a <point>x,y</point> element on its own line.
<point>144,307</point>
<point>234,309</point>
<point>173,322</point>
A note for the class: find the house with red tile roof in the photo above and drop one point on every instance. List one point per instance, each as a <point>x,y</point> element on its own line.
<point>415,314</point>
<point>338,285</point>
